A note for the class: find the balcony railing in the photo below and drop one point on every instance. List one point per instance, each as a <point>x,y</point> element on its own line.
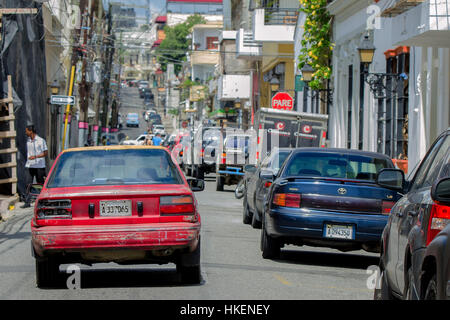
<point>280,16</point>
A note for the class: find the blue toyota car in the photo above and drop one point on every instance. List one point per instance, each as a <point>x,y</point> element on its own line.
<point>327,198</point>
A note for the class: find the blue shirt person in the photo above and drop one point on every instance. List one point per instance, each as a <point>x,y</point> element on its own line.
<point>157,140</point>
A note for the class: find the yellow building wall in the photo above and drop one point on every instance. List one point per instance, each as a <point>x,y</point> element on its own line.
<point>273,54</point>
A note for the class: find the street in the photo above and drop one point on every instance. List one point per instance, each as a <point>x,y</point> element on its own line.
<point>232,266</point>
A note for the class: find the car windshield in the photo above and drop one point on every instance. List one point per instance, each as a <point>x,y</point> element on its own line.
<point>237,142</point>
<point>335,165</point>
<point>114,167</point>
<point>132,115</point>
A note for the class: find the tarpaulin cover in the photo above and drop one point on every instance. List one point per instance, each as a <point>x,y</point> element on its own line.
<point>23,57</point>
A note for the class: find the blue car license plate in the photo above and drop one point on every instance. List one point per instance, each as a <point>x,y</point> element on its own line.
<point>336,231</point>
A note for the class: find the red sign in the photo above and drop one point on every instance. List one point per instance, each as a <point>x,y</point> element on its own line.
<point>280,125</point>
<point>282,101</point>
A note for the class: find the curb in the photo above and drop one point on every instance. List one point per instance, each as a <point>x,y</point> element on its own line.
<point>5,203</point>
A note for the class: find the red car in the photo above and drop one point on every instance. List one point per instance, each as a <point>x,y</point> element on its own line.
<point>123,204</point>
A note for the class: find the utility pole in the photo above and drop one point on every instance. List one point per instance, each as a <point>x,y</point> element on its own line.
<point>109,52</point>
<point>84,88</point>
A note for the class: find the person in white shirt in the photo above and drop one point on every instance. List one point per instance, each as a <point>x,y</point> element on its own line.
<point>36,153</point>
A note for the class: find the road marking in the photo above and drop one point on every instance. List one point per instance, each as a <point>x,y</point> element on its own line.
<point>282,280</point>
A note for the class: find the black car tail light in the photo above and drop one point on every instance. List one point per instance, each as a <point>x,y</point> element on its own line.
<point>439,219</point>
<point>292,200</point>
<point>176,205</point>
<point>54,209</point>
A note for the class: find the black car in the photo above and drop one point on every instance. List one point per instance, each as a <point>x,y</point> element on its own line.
<point>328,198</point>
<point>414,222</point>
<point>256,188</point>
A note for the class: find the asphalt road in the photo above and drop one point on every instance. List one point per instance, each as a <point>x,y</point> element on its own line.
<point>232,266</point>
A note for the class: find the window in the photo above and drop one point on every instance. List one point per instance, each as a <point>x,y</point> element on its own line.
<point>335,165</point>
<point>114,167</point>
<point>438,164</point>
<point>212,43</point>
<point>422,172</point>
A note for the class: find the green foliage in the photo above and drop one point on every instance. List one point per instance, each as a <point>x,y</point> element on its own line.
<point>174,47</point>
<point>316,44</point>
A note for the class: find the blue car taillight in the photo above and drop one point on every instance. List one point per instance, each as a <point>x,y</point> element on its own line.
<point>291,200</point>
<point>54,209</point>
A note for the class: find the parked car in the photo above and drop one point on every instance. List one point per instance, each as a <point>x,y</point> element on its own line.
<point>132,120</point>
<point>114,204</point>
<point>256,188</point>
<point>414,222</point>
<point>327,197</point>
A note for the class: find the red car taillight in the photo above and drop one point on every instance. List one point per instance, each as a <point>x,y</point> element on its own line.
<point>291,200</point>
<point>176,205</point>
<point>439,218</point>
<point>54,209</point>
<point>386,207</point>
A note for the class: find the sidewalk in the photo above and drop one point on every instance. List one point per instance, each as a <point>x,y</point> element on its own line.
<point>7,203</point>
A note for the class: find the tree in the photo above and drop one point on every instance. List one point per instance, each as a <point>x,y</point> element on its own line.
<point>174,47</point>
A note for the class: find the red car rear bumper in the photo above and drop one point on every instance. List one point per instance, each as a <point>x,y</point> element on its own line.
<point>140,237</point>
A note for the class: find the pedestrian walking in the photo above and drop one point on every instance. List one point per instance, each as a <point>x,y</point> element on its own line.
<point>36,152</point>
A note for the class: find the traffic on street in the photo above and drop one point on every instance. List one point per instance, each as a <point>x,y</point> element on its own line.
<point>158,166</point>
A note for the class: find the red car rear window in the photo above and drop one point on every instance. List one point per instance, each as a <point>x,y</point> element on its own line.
<point>114,167</point>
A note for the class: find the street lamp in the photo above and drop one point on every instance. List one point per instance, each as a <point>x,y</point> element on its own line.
<point>376,81</point>
<point>274,84</point>
<point>307,73</point>
<point>366,51</point>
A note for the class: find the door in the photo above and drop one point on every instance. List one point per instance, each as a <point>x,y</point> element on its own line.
<point>253,184</point>
<point>411,213</point>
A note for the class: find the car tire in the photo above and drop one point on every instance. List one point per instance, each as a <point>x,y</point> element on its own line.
<point>270,247</point>
<point>384,291</point>
<point>255,223</point>
<point>246,218</point>
<point>431,291</point>
<point>47,272</point>
<point>191,274</point>
<point>219,183</point>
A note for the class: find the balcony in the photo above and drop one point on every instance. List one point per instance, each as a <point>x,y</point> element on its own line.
<point>205,57</point>
<point>425,25</point>
<point>247,47</point>
<point>399,7</point>
<point>274,24</point>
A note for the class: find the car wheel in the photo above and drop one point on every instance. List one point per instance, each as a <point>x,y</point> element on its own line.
<point>191,273</point>
<point>219,183</point>
<point>255,223</point>
<point>47,272</point>
<point>246,218</point>
<point>431,292</point>
<point>270,247</point>
<point>383,292</point>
